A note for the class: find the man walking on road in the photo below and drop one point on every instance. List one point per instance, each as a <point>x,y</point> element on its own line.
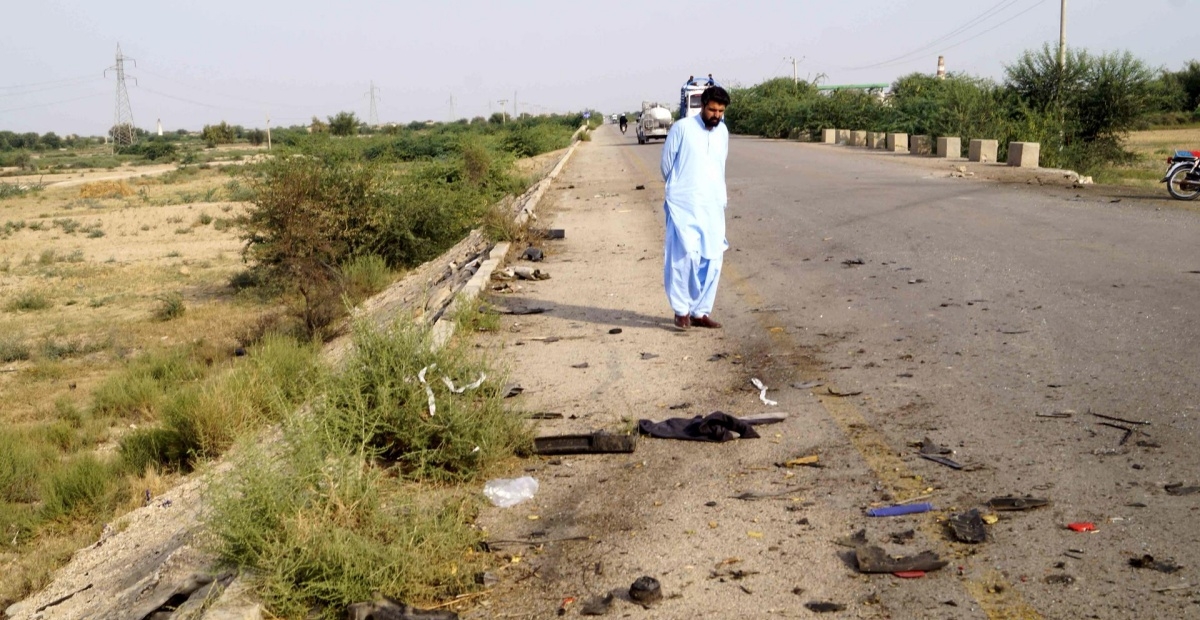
<point>693,167</point>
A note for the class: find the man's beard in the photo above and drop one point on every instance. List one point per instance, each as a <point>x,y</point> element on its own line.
<point>711,122</point>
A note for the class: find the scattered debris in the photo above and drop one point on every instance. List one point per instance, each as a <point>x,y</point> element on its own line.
<point>873,559</point>
<point>646,591</point>
<point>594,443</point>
<point>821,607</point>
<point>836,392</point>
<point>909,574</point>
<point>640,187</point>
<point>566,603</point>
<point>1013,332</point>
<point>770,309</point>
<point>927,446</point>
<point>512,389</point>
<point>1061,579</point>
<point>615,330</point>
<point>716,357</point>
<point>853,262</point>
<point>598,606</point>
<point>648,356</point>
<point>1125,437</point>
<point>811,460</point>
<point>903,538</point>
<point>762,392</point>
<point>508,492</point>
<point>808,385</point>
<point>941,459</point>
<point>1082,526</point>
<point>968,526</point>
<point>545,416</point>
<point>428,390</point>
<point>390,609</point>
<point>1121,420</point>
<point>679,406</point>
<point>1055,414</point>
<point>470,386</point>
<point>523,311</point>
<point>899,509</point>
<point>750,496</point>
<point>1011,502</point>
<point>1177,488</point>
<point>855,540</point>
<point>528,273</point>
<point>716,426</point>
<point>1182,586</point>
<point>532,254</point>
<point>580,365</point>
<point>1148,561</point>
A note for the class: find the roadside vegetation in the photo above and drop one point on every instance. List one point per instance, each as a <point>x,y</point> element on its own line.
<point>157,320</point>
<point>1081,112</point>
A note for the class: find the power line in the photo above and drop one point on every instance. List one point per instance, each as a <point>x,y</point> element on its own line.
<point>994,11</point>
<point>46,105</point>
<point>123,133</point>
<point>223,95</point>
<point>74,79</point>
<point>44,88</point>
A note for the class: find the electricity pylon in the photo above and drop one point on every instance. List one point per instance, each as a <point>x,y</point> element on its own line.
<point>373,115</point>
<point>123,133</point>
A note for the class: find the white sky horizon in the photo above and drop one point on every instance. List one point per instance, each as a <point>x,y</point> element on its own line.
<point>204,62</point>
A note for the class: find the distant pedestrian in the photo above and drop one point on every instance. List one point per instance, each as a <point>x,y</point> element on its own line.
<point>693,167</point>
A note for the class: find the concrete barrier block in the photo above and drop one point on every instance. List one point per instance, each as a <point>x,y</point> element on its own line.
<point>843,136</point>
<point>876,140</point>
<point>858,138</point>
<point>949,148</point>
<point>920,145</point>
<point>983,150</point>
<point>897,142</point>
<point>1024,154</point>
<point>829,136</point>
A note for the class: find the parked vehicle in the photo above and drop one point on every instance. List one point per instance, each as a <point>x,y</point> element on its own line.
<point>654,122</point>
<point>1183,175</point>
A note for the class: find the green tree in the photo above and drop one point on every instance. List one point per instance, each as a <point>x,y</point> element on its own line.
<point>343,124</point>
<point>51,140</point>
<point>221,133</point>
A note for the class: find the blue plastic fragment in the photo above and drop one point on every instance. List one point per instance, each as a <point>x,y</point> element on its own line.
<point>901,509</point>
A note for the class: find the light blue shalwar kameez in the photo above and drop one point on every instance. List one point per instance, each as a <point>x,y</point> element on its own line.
<point>693,167</point>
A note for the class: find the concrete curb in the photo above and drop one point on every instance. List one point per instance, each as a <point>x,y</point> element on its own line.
<point>443,329</point>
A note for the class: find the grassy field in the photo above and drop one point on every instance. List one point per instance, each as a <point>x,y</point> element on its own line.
<point>1150,149</point>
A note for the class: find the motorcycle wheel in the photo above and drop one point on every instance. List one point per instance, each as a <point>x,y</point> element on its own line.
<point>1183,185</point>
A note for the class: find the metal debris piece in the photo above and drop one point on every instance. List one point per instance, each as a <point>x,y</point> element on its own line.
<point>678,406</point>
<point>522,311</point>
<point>811,460</point>
<point>1121,420</point>
<point>762,392</point>
<point>532,254</point>
<point>1125,437</point>
<point>1011,502</point>
<point>854,541</point>
<point>836,392</point>
<point>853,262</point>
<point>615,330</point>
<point>751,496</point>
<point>951,463</point>
<point>808,385</point>
<point>390,609</point>
<point>873,559</point>
<point>598,606</point>
<point>928,446</point>
<point>648,356</point>
<point>1148,561</point>
<point>1061,579</point>
<point>821,607</point>
<point>512,389</point>
<point>1177,488</point>
<point>548,415</point>
<point>593,443</point>
<point>898,510</point>
<point>646,590</point>
<point>968,526</point>
<point>580,365</point>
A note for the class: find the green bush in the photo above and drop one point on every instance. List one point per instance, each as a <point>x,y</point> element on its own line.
<point>29,300</point>
<point>21,464</point>
<point>82,485</point>
<point>170,306</point>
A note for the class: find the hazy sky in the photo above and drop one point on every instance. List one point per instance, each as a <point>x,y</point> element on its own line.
<point>205,61</point>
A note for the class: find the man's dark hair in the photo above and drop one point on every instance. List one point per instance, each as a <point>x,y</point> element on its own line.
<point>715,94</point>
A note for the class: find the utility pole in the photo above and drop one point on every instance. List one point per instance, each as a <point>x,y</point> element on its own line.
<point>1062,36</point>
<point>516,114</point>
<point>503,110</point>
<point>122,129</point>
<point>451,119</point>
<point>268,132</point>
<point>373,115</point>
<point>795,73</point>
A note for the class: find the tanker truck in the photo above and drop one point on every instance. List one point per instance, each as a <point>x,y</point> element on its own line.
<point>654,122</point>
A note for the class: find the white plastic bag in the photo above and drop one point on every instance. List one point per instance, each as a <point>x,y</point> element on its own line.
<point>508,492</point>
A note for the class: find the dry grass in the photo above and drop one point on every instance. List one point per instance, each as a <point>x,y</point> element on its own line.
<point>82,304</point>
<point>1151,149</point>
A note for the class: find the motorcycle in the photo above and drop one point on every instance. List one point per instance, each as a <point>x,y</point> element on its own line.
<point>1183,175</point>
<point>624,125</point>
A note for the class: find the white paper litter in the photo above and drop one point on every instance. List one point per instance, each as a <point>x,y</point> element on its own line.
<point>428,390</point>
<point>762,392</point>
<point>450,384</point>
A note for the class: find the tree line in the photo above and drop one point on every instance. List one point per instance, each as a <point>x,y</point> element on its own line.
<point>1079,111</point>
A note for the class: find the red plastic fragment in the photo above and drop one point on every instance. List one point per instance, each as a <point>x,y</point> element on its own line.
<point>1082,526</point>
<point>909,574</point>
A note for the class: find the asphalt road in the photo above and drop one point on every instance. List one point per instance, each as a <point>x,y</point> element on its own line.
<point>979,310</point>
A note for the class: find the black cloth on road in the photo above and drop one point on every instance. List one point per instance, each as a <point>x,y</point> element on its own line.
<point>716,426</point>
